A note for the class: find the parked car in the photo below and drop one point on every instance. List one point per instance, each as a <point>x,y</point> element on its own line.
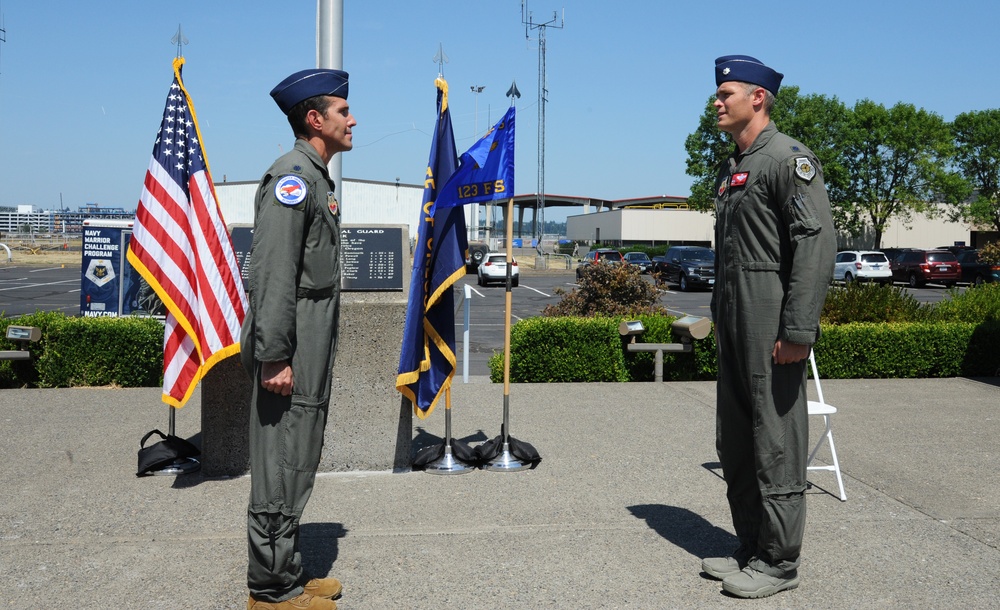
<point>862,265</point>
<point>893,253</point>
<point>688,267</point>
<point>640,260</point>
<point>918,267</point>
<point>601,255</point>
<point>956,250</point>
<point>475,255</point>
<point>975,271</point>
<point>493,269</point>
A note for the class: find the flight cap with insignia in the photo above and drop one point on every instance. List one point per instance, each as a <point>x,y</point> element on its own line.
<point>309,83</point>
<point>746,69</point>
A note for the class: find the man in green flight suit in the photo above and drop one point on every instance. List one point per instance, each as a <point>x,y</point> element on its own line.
<point>289,336</point>
<point>775,246</point>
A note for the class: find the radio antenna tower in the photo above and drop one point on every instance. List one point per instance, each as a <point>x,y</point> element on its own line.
<point>179,39</point>
<point>3,33</point>
<point>530,24</point>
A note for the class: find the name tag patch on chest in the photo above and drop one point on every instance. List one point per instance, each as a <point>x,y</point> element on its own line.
<point>290,190</point>
<point>739,179</point>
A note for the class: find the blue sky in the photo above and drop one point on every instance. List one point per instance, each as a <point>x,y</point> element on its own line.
<point>82,84</point>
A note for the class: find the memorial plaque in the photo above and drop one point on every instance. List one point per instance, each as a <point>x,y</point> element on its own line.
<point>371,258</point>
<point>242,237</point>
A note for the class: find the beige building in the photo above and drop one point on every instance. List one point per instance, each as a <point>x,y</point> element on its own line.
<point>666,219</point>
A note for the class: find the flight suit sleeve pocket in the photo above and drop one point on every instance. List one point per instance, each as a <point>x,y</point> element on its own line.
<point>801,217</point>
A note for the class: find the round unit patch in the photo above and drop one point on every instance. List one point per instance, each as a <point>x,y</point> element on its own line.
<point>290,190</point>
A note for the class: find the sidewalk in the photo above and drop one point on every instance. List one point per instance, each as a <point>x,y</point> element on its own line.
<point>627,500</point>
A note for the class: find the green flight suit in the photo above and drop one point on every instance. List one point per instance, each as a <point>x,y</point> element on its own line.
<point>294,293</point>
<point>775,246</point>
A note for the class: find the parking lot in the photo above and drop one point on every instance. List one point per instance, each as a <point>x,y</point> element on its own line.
<point>26,288</point>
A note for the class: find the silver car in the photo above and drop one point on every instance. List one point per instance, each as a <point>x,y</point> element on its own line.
<point>862,265</point>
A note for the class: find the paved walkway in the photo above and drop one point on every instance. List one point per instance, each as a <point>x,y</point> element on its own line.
<point>624,505</point>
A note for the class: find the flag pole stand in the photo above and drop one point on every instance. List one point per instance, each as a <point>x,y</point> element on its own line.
<point>447,463</point>
<point>185,465</point>
<point>506,461</point>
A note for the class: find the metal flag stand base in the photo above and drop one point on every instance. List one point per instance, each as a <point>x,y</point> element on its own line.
<point>185,465</point>
<point>506,462</point>
<point>448,463</point>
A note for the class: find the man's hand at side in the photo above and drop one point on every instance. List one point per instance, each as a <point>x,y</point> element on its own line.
<point>786,352</point>
<point>277,377</point>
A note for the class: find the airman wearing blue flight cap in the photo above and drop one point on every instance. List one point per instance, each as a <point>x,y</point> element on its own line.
<point>289,337</point>
<point>309,83</point>
<point>746,69</point>
<point>775,246</point>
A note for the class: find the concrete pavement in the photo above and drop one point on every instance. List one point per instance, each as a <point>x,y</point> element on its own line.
<point>626,501</point>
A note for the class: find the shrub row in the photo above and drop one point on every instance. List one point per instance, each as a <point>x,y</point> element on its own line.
<point>125,352</point>
<point>860,302</point>
<point>590,349</point>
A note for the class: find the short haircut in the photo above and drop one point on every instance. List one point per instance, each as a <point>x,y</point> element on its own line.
<point>768,96</point>
<point>297,113</point>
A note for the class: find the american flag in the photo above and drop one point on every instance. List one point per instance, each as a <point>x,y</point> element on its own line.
<point>181,247</point>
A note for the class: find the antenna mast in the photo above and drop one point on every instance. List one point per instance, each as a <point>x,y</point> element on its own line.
<point>530,24</point>
<point>3,32</point>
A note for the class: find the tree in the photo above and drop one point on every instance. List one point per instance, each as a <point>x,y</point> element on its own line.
<point>977,156</point>
<point>896,163</point>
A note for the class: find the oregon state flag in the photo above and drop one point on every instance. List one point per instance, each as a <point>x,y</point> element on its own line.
<point>427,360</point>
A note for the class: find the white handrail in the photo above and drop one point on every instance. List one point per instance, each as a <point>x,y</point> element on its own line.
<point>465,335</point>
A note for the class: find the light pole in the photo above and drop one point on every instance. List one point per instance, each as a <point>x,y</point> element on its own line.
<point>474,229</point>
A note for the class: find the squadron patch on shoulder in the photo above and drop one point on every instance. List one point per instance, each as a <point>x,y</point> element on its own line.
<point>290,190</point>
<point>804,168</point>
<point>722,187</point>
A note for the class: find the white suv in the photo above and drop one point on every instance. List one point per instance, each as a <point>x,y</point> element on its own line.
<point>862,265</point>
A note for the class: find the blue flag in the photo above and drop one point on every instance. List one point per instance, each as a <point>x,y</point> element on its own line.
<point>427,362</point>
<point>487,170</point>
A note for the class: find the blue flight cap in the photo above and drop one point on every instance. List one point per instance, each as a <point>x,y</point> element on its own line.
<point>309,83</point>
<point>746,69</point>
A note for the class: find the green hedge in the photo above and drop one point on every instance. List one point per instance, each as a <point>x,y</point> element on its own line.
<point>909,350</point>
<point>590,349</point>
<point>125,352</point>
<point>563,349</point>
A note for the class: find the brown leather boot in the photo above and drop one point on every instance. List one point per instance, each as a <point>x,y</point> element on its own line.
<point>302,602</point>
<point>329,588</point>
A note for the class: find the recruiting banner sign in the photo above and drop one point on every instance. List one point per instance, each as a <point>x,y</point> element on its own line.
<point>110,286</point>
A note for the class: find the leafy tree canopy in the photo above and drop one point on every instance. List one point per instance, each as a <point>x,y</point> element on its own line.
<point>977,156</point>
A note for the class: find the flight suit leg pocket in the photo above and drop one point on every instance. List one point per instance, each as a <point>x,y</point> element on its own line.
<point>304,427</point>
<point>769,434</point>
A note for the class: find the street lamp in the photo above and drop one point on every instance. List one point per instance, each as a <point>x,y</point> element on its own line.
<point>474,230</point>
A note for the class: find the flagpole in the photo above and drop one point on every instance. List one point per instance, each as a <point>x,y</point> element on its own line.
<point>506,462</point>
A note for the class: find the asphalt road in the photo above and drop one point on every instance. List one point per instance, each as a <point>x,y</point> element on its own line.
<point>25,289</point>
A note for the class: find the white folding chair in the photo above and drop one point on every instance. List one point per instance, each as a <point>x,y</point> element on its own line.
<point>821,407</point>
